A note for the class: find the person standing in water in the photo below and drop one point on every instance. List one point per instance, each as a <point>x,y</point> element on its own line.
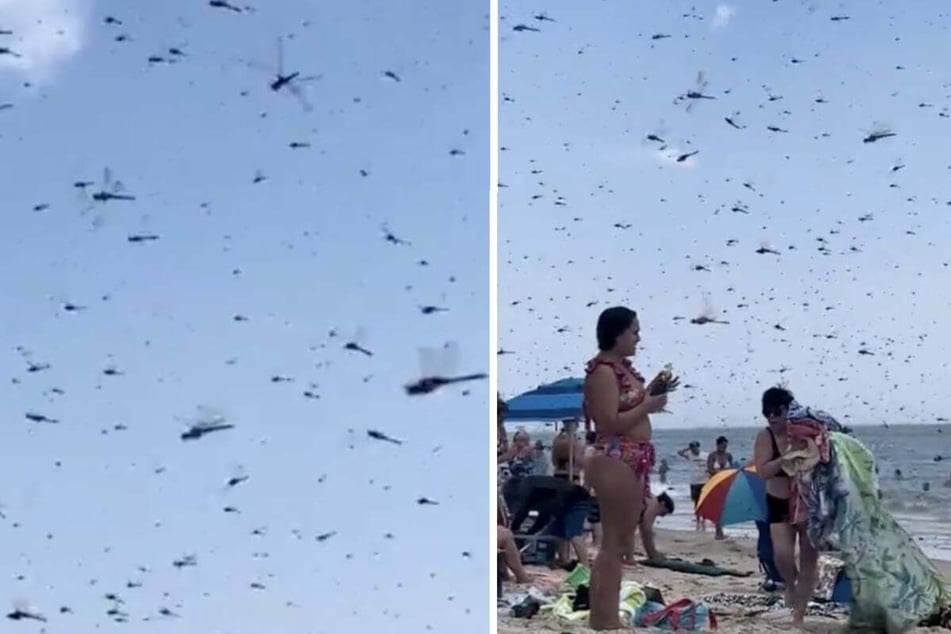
<point>663,469</point>
<point>771,444</point>
<point>619,403</point>
<point>698,476</point>
<point>719,460</point>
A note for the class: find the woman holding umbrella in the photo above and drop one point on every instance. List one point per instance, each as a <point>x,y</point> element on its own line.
<point>620,404</point>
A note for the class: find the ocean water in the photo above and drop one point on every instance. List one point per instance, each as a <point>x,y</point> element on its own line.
<point>918,498</point>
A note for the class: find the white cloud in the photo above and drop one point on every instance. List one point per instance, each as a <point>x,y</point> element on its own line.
<point>46,33</point>
<point>724,15</point>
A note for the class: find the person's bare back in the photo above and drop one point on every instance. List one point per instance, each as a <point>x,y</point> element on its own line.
<point>561,453</point>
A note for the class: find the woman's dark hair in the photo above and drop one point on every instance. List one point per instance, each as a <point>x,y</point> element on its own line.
<point>776,400</point>
<point>611,323</point>
<point>667,501</point>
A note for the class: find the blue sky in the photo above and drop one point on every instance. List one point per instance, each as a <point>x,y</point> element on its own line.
<point>299,254</point>
<point>580,97</point>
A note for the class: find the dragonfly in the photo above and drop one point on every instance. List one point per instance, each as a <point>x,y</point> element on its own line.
<point>289,82</point>
<point>437,365</point>
<point>238,475</point>
<point>658,136</point>
<point>696,93</point>
<point>369,439</point>
<point>206,421</point>
<point>22,611</point>
<point>109,189</point>
<point>354,342</point>
<point>708,314</point>
<point>765,247</point>
<point>879,131</point>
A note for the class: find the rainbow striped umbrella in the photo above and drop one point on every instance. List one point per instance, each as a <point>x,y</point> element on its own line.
<point>733,496</point>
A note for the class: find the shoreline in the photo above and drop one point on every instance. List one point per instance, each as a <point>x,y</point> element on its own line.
<point>738,553</point>
<point>746,534</point>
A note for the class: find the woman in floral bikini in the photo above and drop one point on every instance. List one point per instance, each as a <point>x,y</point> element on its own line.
<point>620,404</point>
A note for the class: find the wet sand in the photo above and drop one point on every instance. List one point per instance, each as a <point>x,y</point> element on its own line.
<point>739,554</point>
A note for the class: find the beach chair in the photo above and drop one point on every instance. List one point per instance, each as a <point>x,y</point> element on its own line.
<point>549,511</point>
<point>767,563</point>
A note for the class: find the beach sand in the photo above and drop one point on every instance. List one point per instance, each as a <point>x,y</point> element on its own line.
<point>739,554</point>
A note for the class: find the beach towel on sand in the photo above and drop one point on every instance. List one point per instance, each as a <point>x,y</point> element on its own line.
<point>708,569</point>
<point>632,597</point>
<point>894,585</point>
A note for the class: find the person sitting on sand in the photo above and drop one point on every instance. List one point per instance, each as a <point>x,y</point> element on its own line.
<point>654,507</point>
<point>771,444</point>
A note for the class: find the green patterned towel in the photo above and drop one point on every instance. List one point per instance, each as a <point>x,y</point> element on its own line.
<point>894,585</point>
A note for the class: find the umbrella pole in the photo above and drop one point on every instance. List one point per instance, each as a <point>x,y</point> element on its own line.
<point>571,459</point>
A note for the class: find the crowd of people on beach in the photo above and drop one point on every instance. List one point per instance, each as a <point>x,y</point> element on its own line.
<point>820,486</point>
<point>527,470</point>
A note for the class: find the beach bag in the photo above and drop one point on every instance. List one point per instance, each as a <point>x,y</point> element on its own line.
<point>829,570</point>
<point>685,615</point>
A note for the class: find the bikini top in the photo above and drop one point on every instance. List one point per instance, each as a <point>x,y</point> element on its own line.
<point>632,392</point>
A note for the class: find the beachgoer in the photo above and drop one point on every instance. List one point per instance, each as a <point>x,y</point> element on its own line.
<point>663,469</point>
<point>520,459</point>
<point>561,453</point>
<point>719,460</point>
<point>541,467</point>
<point>510,555</point>
<point>559,509</point>
<point>698,476</point>
<point>655,507</point>
<point>619,403</point>
<point>771,444</point>
<point>594,518</point>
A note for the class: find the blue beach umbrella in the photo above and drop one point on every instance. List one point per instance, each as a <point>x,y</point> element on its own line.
<point>556,401</point>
